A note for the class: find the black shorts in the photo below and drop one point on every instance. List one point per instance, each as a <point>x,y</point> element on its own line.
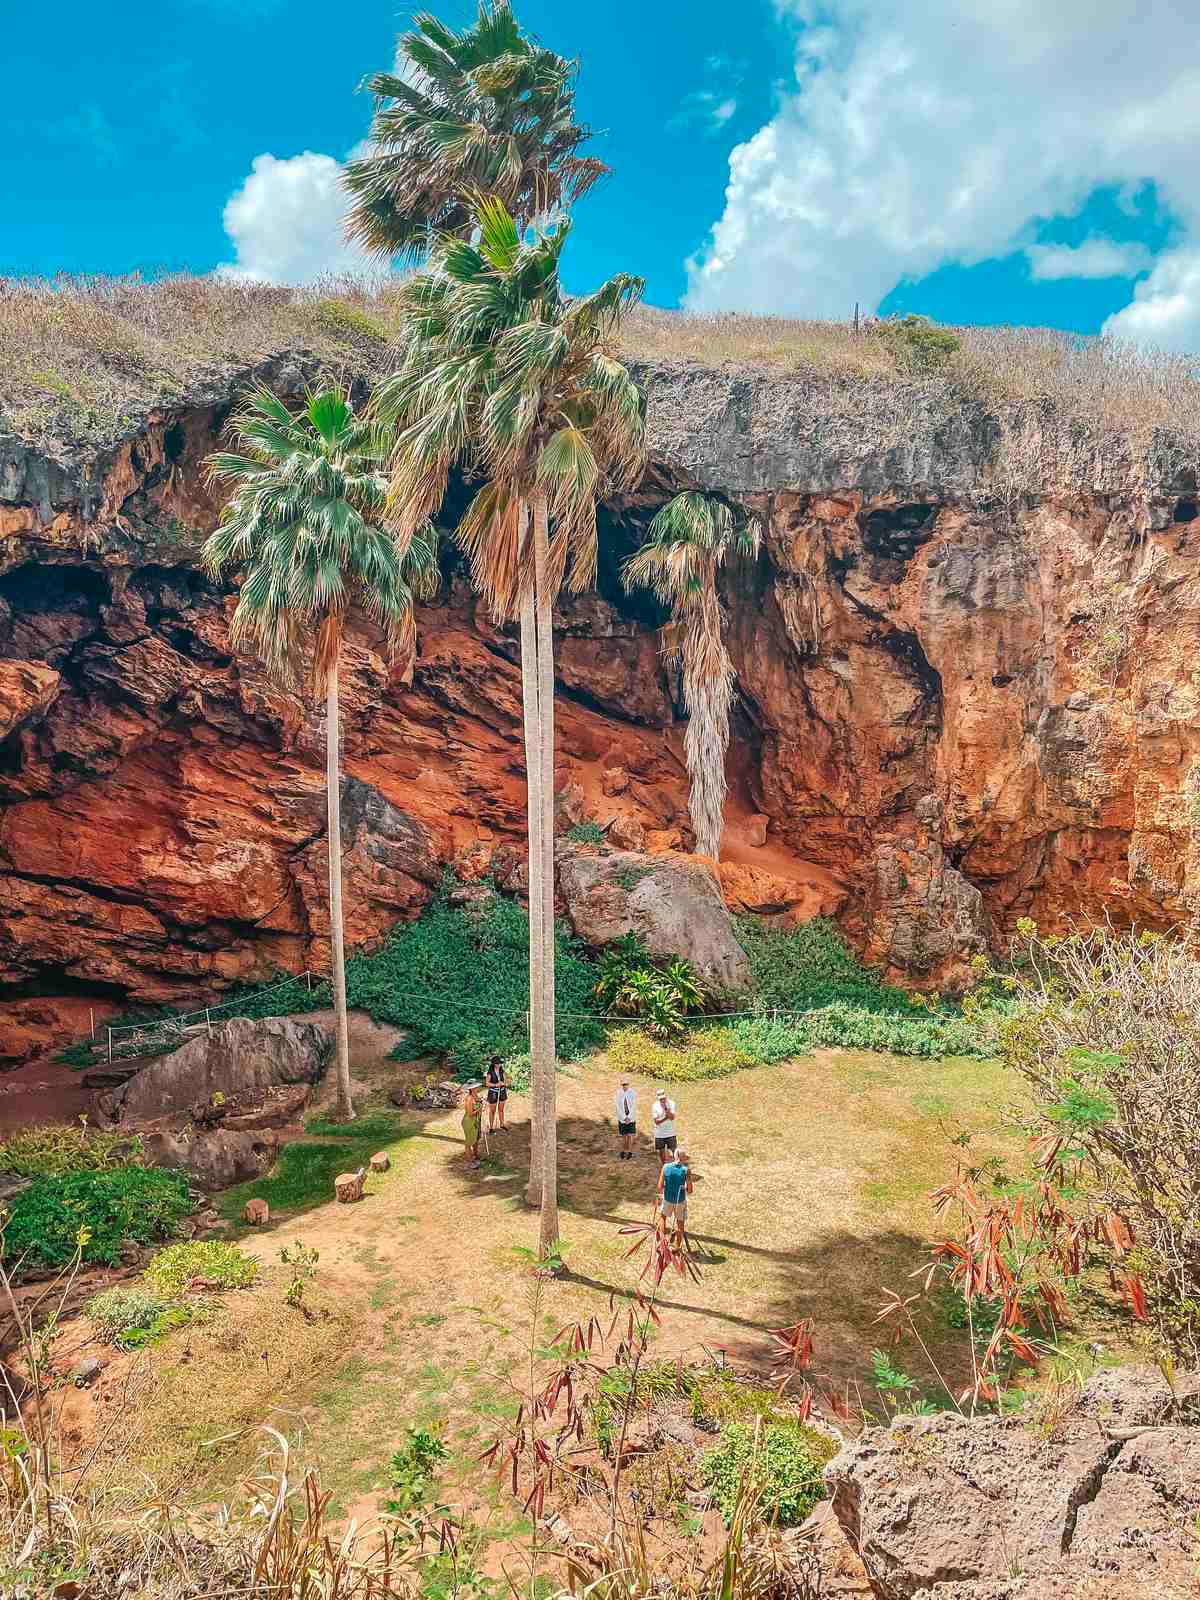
<point>624,1128</point>
<point>666,1144</point>
<point>495,1096</point>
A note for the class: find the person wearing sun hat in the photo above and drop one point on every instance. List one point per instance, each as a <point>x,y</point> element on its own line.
<point>472,1122</point>
<point>626,1106</point>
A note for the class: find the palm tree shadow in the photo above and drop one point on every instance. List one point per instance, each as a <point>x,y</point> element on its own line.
<point>835,1277</point>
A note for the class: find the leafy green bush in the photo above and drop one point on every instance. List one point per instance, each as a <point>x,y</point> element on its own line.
<point>767,1039</point>
<point>171,1270</point>
<point>706,1053</point>
<point>132,1317</point>
<point>810,973</point>
<point>788,1461</point>
<point>54,1151</point>
<point>918,343</point>
<point>412,1473</point>
<point>104,1209</point>
<point>633,984</point>
<point>586,833</point>
<point>457,980</point>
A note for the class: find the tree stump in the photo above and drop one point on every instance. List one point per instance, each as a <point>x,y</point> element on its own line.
<point>257,1212</point>
<point>380,1161</point>
<point>348,1186</point>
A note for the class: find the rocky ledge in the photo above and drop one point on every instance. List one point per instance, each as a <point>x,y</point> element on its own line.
<point>1096,1498</point>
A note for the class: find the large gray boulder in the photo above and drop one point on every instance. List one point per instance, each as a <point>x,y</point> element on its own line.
<point>212,1158</point>
<point>1100,1502</point>
<point>674,902</point>
<point>243,1060</point>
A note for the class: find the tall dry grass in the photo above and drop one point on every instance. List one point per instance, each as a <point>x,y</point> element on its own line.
<point>83,358</point>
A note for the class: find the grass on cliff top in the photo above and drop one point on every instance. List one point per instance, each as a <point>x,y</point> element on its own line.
<point>82,359</point>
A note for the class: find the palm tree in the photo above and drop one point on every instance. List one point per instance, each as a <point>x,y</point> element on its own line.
<point>505,375</point>
<point>304,524</point>
<point>687,543</point>
<point>485,111</point>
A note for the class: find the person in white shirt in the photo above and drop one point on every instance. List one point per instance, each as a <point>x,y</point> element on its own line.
<point>626,1118</point>
<point>663,1114</point>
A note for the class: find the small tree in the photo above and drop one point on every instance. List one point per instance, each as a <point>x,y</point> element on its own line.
<point>687,543</point>
<point>1105,1029</point>
<point>304,524</point>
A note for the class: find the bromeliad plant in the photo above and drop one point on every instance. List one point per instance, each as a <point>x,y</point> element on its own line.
<point>506,376</point>
<point>632,984</point>
<point>305,526</point>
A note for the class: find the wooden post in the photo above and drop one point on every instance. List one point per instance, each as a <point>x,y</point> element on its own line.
<point>110,1047</point>
<point>208,1018</point>
<point>92,1022</point>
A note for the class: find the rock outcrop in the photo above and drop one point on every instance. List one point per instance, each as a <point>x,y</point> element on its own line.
<point>673,902</point>
<point>965,696</point>
<point>241,1061</point>
<point>1097,1502</point>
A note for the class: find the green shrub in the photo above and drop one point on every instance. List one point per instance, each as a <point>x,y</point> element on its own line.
<point>412,1473</point>
<point>706,1053</point>
<point>586,833</point>
<point>172,1269</point>
<point>132,1317</point>
<point>918,343</point>
<point>346,321</point>
<point>767,1039</point>
<point>458,981</point>
<point>104,1209</point>
<point>789,1460</point>
<point>831,999</point>
<point>633,984</point>
<point>54,1151</point>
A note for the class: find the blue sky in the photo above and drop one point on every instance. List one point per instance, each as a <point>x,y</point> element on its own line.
<point>974,160</point>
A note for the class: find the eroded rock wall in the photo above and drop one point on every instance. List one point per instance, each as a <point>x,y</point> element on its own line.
<point>959,705</point>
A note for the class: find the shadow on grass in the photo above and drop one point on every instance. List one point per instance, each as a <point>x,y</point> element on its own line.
<point>834,1275</point>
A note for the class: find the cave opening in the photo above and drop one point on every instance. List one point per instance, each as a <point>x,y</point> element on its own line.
<point>1186,510</point>
<point>896,533</point>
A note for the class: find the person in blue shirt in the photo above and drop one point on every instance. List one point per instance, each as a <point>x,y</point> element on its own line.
<point>674,1186</point>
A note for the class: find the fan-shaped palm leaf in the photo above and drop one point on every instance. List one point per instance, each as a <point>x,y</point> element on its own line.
<point>484,111</point>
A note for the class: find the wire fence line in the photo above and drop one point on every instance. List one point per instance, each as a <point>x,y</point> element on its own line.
<point>152,1036</point>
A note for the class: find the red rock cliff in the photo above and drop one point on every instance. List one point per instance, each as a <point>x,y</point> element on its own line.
<point>963,703</point>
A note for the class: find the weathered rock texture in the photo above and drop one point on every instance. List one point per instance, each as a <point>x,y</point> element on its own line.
<point>959,704</point>
<point>673,902</point>
<point>241,1061</point>
<point>1097,1504</point>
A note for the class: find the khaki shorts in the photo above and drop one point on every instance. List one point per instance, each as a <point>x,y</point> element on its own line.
<point>675,1213</point>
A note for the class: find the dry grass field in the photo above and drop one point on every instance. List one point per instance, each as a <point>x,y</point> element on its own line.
<point>84,358</point>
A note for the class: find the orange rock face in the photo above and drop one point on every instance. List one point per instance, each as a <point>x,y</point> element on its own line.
<point>952,714</point>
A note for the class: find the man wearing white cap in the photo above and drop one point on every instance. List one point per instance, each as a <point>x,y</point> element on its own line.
<point>626,1118</point>
<point>663,1114</point>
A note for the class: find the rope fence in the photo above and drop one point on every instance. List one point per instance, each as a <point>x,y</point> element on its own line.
<point>157,1034</point>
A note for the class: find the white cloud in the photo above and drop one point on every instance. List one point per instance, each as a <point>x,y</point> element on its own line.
<point>285,222</point>
<point>1094,258</point>
<point>712,107</point>
<point>1166,306</point>
<point>915,135</point>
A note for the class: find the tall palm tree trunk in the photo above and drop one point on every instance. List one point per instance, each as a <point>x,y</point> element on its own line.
<point>345,1105</point>
<point>548,1130</point>
<point>531,704</point>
